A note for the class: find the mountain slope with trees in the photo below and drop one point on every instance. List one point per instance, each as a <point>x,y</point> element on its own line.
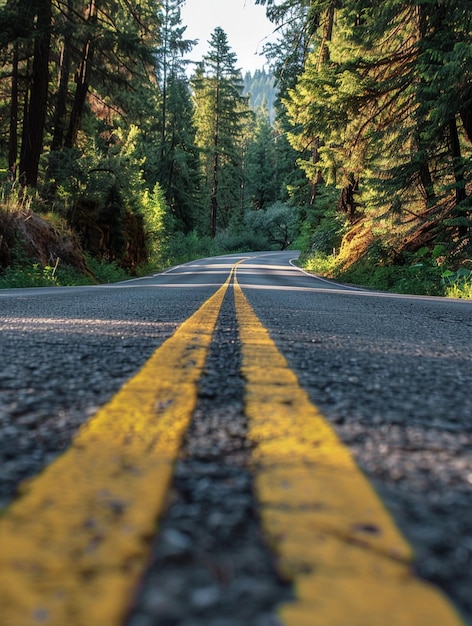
<point>262,91</point>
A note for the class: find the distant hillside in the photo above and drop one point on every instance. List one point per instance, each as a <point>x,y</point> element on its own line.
<point>261,86</point>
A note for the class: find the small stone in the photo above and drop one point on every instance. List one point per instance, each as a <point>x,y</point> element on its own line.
<point>205,597</point>
<point>174,545</point>
<point>159,602</point>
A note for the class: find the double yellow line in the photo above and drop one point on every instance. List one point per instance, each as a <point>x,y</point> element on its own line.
<point>331,533</point>
<point>73,546</point>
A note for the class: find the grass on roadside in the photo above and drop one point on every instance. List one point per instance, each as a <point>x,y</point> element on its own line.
<point>458,284</point>
<point>20,275</point>
<point>423,276</point>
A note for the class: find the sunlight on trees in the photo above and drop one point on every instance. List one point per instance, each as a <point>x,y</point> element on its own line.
<point>357,141</point>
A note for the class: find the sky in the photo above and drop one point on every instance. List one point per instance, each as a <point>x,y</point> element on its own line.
<point>243,21</point>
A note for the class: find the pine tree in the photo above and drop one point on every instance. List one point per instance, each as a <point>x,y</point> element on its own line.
<point>445,99</point>
<point>379,126</point>
<point>25,44</point>
<point>298,23</point>
<point>179,169</point>
<point>169,55</point>
<point>175,157</point>
<point>261,163</point>
<point>220,110</point>
<point>261,87</point>
<point>65,58</point>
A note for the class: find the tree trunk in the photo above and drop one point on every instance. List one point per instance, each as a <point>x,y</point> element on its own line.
<point>165,44</point>
<point>466,117</point>
<point>458,168</point>
<point>456,156</point>
<point>82,79</point>
<point>213,212</point>
<point>32,144</point>
<point>214,190</point>
<point>327,34</point>
<point>13,133</point>
<point>214,185</point>
<point>317,175</point>
<point>322,59</point>
<point>347,201</point>
<point>427,184</point>
<point>59,123</point>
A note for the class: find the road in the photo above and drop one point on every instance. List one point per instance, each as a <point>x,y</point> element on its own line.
<point>259,387</point>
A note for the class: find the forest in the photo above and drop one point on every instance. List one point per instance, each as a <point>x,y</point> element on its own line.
<point>120,154</point>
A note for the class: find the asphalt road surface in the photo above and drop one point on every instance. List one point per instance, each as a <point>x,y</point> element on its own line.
<point>391,374</point>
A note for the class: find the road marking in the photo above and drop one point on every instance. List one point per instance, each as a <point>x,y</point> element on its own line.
<point>74,545</point>
<point>332,535</point>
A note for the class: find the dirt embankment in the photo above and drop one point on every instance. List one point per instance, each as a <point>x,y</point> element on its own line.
<point>26,234</point>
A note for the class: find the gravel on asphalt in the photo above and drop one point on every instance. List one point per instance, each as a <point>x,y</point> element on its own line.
<point>210,565</point>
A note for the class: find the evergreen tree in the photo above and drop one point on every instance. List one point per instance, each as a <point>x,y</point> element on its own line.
<point>95,52</point>
<point>25,45</point>
<point>444,96</point>
<point>379,128</point>
<point>261,88</point>
<point>261,163</point>
<point>297,23</point>
<point>179,172</point>
<point>169,56</point>
<point>175,157</point>
<point>220,111</point>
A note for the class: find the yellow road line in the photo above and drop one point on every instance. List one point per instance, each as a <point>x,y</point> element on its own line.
<point>73,546</point>
<point>331,533</point>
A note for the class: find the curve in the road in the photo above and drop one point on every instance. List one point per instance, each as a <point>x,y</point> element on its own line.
<point>332,534</point>
<point>75,544</point>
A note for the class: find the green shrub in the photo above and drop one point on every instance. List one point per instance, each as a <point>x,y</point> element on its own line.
<point>105,271</point>
<point>458,284</point>
<point>188,247</point>
<point>463,291</point>
<point>244,240</point>
<point>408,279</point>
<point>33,275</point>
<point>26,274</point>
<point>319,263</point>
<point>321,224</point>
<point>278,225</point>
